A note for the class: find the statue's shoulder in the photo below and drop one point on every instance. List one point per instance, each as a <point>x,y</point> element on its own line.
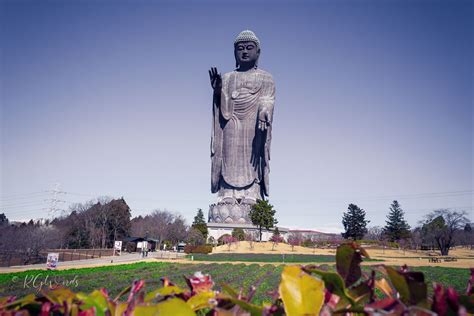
<point>265,74</point>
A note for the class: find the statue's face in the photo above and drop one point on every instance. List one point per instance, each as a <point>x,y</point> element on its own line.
<point>246,53</point>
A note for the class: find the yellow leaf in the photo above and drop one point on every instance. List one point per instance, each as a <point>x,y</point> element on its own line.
<point>302,294</point>
<point>120,309</point>
<point>164,291</point>
<point>383,285</point>
<point>174,306</point>
<point>201,300</point>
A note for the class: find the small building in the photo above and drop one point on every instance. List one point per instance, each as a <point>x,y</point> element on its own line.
<point>133,244</point>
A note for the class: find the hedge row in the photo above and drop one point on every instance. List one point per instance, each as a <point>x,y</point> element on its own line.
<point>198,249</point>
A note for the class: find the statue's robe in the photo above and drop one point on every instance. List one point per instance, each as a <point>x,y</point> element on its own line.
<point>240,152</point>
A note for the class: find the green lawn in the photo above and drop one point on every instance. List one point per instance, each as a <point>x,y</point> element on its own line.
<point>266,278</point>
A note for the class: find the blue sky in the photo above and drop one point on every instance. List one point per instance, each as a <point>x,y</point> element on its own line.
<point>373,103</point>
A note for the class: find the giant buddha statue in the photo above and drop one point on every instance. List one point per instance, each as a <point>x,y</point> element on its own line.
<point>243,102</point>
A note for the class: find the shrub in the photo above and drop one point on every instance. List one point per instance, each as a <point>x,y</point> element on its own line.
<point>221,240</point>
<point>238,233</point>
<point>198,249</point>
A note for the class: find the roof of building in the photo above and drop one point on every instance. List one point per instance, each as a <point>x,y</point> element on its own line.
<point>243,226</point>
<point>310,231</point>
<point>139,239</point>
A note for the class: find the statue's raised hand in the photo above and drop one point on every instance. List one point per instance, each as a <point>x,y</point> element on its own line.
<point>216,80</point>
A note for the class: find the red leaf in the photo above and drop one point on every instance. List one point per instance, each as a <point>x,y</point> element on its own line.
<point>200,282</point>
<point>440,303</point>
<point>386,304</point>
<point>137,285</point>
<point>453,299</point>
<point>470,283</point>
<point>45,308</point>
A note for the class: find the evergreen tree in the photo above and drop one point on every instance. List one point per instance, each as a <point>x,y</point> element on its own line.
<point>199,223</point>
<point>354,222</point>
<point>396,228</point>
<point>3,220</point>
<point>262,215</point>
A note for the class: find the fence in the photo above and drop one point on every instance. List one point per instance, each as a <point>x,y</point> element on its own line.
<point>13,258</point>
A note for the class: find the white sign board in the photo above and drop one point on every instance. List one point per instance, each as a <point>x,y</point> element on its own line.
<point>52,261</point>
<point>118,245</point>
<point>142,244</point>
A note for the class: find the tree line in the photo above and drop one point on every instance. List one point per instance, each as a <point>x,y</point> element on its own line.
<point>94,224</point>
<point>440,229</point>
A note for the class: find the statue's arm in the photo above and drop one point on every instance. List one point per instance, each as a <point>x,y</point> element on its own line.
<point>267,101</point>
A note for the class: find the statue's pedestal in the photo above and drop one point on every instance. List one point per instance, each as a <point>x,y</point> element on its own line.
<point>230,213</point>
<point>216,230</point>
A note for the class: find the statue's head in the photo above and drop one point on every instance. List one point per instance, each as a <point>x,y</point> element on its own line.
<point>246,50</point>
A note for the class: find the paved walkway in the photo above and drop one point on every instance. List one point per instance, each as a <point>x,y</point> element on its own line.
<point>103,261</point>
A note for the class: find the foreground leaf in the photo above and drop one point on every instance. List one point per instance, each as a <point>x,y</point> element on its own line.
<point>202,300</point>
<point>301,293</point>
<point>410,285</point>
<point>384,286</point>
<point>174,306</point>
<point>164,291</point>
<point>333,283</point>
<point>96,299</point>
<point>348,259</point>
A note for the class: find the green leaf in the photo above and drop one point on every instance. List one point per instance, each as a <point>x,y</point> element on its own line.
<point>361,291</point>
<point>229,290</point>
<point>164,291</point>
<point>253,309</point>
<point>173,306</point>
<point>60,295</point>
<point>348,259</point>
<point>410,285</point>
<point>28,299</point>
<point>301,293</point>
<point>96,299</point>
<point>468,302</point>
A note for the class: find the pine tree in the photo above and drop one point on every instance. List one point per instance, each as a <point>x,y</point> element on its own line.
<point>396,228</point>
<point>354,222</point>
<point>200,223</point>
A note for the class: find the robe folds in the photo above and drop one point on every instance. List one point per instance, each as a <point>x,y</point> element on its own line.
<point>240,152</point>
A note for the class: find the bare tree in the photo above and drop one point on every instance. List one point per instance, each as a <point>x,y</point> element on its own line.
<point>251,237</point>
<point>162,225</point>
<point>441,226</point>
<point>374,233</point>
<point>295,239</point>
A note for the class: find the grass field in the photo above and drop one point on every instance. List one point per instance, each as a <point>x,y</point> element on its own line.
<point>266,278</point>
<point>250,257</point>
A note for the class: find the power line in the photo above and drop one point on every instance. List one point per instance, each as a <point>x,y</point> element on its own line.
<point>22,204</point>
<point>24,196</point>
